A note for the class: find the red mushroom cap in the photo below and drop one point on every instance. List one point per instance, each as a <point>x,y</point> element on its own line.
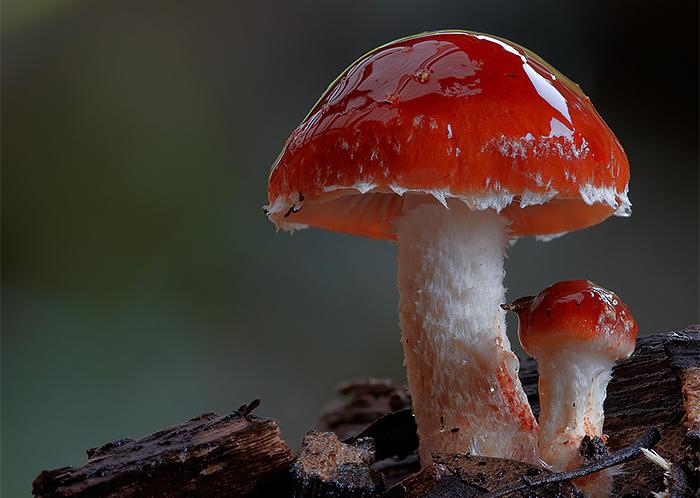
<point>576,311</point>
<point>454,114</point>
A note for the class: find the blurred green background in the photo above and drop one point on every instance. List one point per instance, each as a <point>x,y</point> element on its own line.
<point>141,283</point>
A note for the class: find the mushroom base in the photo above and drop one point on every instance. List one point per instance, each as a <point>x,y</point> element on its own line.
<point>572,390</point>
<point>462,374</point>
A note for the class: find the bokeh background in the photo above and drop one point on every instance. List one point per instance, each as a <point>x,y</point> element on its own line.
<point>141,283</point>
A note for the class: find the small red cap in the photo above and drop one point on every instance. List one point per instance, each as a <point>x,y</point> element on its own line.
<point>450,114</point>
<point>576,311</point>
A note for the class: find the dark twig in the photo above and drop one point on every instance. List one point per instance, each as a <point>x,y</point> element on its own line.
<point>648,441</point>
<point>245,410</point>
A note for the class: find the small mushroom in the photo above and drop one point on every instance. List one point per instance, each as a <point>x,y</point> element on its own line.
<point>452,143</point>
<point>576,330</point>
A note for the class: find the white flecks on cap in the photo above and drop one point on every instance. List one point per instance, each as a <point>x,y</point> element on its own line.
<point>281,204</point>
<point>489,200</point>
<point>364,187</point>
<point>528,198</point>
<point>592,194</point>
<point>550,236</point>
<point>397,189</point>
<point>496,198</point>
<point>557,143</point>
<point>624,209</point>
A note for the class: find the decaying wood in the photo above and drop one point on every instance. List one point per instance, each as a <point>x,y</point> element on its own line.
<point>528,483</point>
<point>647,390</point>
<point>653,388</point>
<point>327,467</point>
<point>463,475</point>
<point>683,349</point>
<point>366,400</point>
<point>369,447</point>
<point>211,455</point>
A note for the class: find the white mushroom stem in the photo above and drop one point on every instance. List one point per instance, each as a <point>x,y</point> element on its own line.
<point>572,386</point>
<point>462,374</point>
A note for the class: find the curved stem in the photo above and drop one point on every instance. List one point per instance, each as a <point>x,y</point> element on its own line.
<point>462,374</point>
<point>572,391</point>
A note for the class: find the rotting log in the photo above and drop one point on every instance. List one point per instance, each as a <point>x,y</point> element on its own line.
<point>602,460</point>
<point>326,467</point>
<point>210,455</point>
<point>373,451</point>
<point>650,389</point>
<point>656,387</point>
<point>467,476</point>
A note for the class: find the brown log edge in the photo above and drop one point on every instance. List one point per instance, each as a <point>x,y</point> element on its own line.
<point>368,442</point>
<point>210,455</point>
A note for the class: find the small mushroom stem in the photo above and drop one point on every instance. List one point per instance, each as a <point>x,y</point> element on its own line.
<point>572,389</point>
<point>462,374</point>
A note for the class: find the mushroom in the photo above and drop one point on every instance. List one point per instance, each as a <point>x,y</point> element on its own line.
<point>451,143</point>
<point>576,330</point>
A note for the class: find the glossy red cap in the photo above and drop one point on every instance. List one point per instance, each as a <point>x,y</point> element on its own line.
<point>576,311</point>
<point>450,114</point>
